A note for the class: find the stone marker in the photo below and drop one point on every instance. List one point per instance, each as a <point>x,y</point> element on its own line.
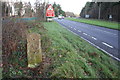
<point>34,52</point>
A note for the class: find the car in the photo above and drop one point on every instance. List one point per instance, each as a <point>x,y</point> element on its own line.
<point>59,17</point>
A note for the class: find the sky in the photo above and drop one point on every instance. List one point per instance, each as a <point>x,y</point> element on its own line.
<point>74,6</point>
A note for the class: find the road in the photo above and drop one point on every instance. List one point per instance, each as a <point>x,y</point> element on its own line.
<point>103,38</point>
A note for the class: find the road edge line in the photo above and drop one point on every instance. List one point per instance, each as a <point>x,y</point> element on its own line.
<point>93,44</point>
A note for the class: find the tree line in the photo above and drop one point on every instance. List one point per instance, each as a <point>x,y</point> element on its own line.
<point>25,9</point>
<point>102,10</point>
<point>20,9</point>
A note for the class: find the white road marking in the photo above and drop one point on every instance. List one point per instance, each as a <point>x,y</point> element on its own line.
<point>74,29</point>
<point>100,48</point>
<point>107,44</point>
<point>93,44</point>
<point>79,31</point>
<point>85,34</point>
<point>94,38</point>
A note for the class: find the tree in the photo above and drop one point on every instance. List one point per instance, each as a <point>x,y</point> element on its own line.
<point>40,10</point>
<point>18,7</point>
<point>58,10</point>
<point>28,9</point>
<point>107,9</point>
<point>4,8</point>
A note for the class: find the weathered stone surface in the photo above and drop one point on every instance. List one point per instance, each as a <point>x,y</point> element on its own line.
<point>34,52</point>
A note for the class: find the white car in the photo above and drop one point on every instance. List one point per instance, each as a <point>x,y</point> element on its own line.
<point>59,17</point>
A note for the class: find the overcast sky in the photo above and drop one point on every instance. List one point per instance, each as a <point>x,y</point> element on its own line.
<point>71,5</point>
<point>67,5</point>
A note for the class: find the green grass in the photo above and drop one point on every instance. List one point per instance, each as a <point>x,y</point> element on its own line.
<point>107,24</point>
<point>72,57</point>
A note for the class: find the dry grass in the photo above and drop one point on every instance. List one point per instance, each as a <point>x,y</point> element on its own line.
<point>15,50</point>
<point>13,40</point>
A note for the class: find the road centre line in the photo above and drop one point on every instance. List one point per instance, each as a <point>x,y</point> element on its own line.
<point>107,44</point>
<point>79,31</point>
<point>85,34</point>
<point>90,36</point>
<point>74,29</point>
<point>94,45</point>
<point>101,49</point>
<point>94,38</point>
<point>103,31</point>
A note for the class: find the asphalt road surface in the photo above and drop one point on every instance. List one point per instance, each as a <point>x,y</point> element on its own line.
<point>103,38</point>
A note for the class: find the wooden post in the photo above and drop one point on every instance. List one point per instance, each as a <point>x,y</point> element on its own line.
<point>34,52</point>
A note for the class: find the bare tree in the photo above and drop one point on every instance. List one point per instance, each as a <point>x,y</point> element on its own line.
<point>39,7</point>
<point>28,9</point>
<point>6,9</point>
<point>18,7</point>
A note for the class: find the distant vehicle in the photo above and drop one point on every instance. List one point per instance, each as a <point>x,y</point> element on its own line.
<point>60,17</point>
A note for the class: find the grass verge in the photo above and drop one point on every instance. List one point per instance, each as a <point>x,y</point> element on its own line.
<point>73,57</point>
<point>64,54</point>
<point>101,23</point>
